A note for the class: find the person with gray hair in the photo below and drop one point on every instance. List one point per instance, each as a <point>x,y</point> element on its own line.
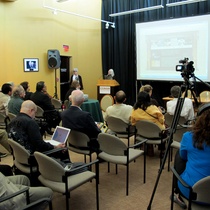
<point>187,109</point>
<point>110,74</point>
<point>77,77</point>
<point>14,105</point>
<point>76,119</point>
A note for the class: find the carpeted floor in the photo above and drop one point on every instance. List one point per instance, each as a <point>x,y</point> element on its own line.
<point>112,187</point>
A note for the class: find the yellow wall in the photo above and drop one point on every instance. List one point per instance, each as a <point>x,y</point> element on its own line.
<point>28,30</point>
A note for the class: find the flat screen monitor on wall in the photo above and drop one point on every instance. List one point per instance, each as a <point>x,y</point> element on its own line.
<point>161,44</point>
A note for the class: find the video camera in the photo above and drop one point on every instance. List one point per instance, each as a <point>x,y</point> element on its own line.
<point>186,68</point>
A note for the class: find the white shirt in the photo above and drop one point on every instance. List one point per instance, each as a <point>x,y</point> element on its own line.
<point>187,109</point>
<point>121,111</point>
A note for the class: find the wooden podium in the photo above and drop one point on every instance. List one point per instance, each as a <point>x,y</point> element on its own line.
<point>106,87</point>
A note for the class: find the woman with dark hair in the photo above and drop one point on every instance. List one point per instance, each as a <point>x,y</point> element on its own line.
<point>74,86</point>
<point>27,89</point>
<point>192,161</point>
<point>144,110</point>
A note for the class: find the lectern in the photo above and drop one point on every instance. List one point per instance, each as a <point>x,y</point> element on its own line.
<point>107,87</point>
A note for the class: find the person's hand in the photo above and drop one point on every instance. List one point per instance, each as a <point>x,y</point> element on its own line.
<point>60,146</point>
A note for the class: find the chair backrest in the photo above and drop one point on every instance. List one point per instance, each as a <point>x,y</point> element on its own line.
<point>111,144</point>
<point>202,190</point>
<point>106,101</point>
<point>147,129</point>
<point>3,122</point>
<point>11,116</point>
<point>204,96</point>
<point>66,103</point>
<point>39,112</point>
<point>49,168</point>
<point>78,139</point>
<point>117,125</point>
<point>180,129</point>
<point>57,104</point>
<point>20,154</point>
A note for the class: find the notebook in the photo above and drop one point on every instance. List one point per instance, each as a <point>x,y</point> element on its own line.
<point>59,136</point>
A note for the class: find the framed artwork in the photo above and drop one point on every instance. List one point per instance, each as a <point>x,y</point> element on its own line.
<point>31,64</point>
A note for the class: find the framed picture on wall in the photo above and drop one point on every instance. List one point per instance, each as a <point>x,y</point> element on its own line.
<point>31,64</point>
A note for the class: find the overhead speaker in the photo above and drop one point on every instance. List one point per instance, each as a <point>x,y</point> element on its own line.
<point>54,59</point>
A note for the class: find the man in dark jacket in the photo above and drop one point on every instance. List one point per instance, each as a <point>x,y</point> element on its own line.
<point>24,130</point>
<point>41,99</point>
<point>76,119</point>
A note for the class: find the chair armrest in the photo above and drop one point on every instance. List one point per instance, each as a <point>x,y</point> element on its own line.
<point>14,194</point>
<point>52,151</point>
<point>179,178</point>
<point>137,144</point>
<point>38,202</point>
<point>68,173</point>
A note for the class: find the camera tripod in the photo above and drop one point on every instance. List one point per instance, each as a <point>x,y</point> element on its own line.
<point>187,85</point>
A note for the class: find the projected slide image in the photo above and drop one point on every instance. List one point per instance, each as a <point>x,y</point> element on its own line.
<point>161,44</point>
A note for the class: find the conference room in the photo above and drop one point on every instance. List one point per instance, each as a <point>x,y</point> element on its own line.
<point>142,41</point>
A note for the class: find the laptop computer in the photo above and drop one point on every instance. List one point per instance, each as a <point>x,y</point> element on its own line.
<point>59,136</point>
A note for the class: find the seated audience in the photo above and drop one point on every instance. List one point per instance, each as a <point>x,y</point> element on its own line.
<point>25,131</point>
<point>144,110</point>
<point>187,109</point>
<point>27,90</point>
<point>18,94</point>
<point>76,119</point>
<point>41,99</point>
<point>77,77</point>
<point>12,184</point>
<point>4,143</point>
<point>192,161</point>
<point>6,92</point>
<point>74,86</point>
<point>119,110</point>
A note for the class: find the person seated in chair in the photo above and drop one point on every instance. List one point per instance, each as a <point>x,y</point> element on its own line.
<point>74,86</point>
<point>26,87</point>
<point>187,109</point>
<point>13,184</point>
<point>144,110</point>
<point>192,161</point>
<point>78,120</point>
<point>41,99</point>
<point>24,130</point>
<point>18,94</point>
<point>119,110</point>
<point>5,95</point>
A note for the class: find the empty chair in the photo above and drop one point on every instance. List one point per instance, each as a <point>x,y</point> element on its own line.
<point>114,150</point>
<point>152,132</point>
<point>120,128</point>
<point>62,180</point>
<point>199,193</point>
<point>79,142</point>
<point>23,160</point>
<point>106,101</point>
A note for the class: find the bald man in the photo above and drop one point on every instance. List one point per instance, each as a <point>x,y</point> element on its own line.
<point>25,130</point>
<point>77,119</point>
<point>119,110</point>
